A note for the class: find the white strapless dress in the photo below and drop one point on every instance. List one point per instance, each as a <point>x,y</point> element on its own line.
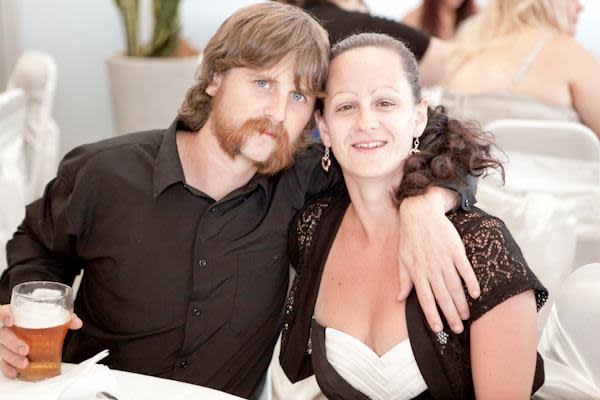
<point>393,376</point>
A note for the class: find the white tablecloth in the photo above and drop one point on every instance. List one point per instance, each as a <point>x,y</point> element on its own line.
<point>132,386</point>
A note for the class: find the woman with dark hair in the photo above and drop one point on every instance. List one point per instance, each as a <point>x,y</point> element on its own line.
<point>342,18</point>
<point>341,322</point>
<point>440,18</point>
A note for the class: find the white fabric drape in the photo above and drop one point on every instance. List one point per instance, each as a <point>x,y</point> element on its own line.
<point>569,341</point>
<point>13,191</point>
<point>550,205</point>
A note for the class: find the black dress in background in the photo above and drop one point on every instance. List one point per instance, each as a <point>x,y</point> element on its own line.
<point>340,24</point>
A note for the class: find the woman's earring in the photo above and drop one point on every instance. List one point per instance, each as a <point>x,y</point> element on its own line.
<point>415,148</point>
<point>325,160</point>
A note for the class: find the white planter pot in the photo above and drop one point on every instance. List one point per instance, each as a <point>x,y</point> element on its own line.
<point>147,92</point>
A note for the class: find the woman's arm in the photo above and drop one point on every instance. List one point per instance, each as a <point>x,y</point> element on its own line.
<point>413,18</point>
<point>584,82</point>
<point>431,66</point>
<point>503,349</point>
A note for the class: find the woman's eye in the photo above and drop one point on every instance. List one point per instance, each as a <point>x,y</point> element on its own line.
<point>345,107</point>
<point>386,103</point>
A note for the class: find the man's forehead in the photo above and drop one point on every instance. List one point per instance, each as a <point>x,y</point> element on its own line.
<point>285,66</point>
<point>282,71</point>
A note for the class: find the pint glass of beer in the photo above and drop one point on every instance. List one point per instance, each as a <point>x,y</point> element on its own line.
<point>42,313</point>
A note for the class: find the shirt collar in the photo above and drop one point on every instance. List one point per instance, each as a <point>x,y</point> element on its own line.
<point>168,169</point>
<point>167,165</point>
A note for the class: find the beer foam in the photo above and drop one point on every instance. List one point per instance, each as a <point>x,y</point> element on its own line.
<point>45,293</point>
<point>36,315</point>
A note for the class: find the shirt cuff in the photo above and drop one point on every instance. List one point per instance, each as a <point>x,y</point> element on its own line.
<point>466,192</point>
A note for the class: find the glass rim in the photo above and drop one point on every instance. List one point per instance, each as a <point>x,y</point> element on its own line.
<point>67,288</point>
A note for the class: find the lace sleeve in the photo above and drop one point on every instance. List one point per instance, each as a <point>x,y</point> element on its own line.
<point>497,260</point>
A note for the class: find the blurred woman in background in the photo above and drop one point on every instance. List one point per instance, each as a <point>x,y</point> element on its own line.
<point>518,59</point>
<point>440,18</point>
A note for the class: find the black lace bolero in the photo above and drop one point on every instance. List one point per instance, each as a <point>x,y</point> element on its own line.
<point>443,358</point>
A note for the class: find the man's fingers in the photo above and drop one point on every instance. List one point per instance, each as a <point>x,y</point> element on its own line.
<point>76,322</point>
<point>8,370</point>
<point>427,301</point>
<point>468,274</point>
<point>405,282</point>
<point>446,303</point>
<point>6,315</point>
<point>13,359</point>
<point>457,292</point>
<point>11,342</point>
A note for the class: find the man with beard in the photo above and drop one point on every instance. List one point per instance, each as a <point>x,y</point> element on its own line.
<point>182,233</point>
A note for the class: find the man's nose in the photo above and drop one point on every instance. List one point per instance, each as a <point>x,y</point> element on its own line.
<point>277,108</point>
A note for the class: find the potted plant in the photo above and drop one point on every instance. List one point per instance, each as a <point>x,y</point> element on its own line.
<point>148,81</point>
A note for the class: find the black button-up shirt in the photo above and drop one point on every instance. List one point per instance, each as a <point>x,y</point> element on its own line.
<point>175,284</point>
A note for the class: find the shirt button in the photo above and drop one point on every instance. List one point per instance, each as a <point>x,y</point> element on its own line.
<point>196,312</point>
<point>183,364</point>
<point>212,210</point>
<point>202,263</point>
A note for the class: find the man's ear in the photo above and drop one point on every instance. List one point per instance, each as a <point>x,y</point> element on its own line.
<point>323,131</point>
<point>420,118</point>
<point>214,85</point>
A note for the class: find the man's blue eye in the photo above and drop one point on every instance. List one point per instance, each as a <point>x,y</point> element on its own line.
<point>297,96</point>
<point>262,83</point>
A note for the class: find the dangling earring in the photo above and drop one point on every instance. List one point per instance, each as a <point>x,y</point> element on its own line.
<point>415,148</point>
<point>325,160</point>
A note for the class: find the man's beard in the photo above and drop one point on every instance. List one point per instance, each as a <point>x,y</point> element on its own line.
<point>232,137</point>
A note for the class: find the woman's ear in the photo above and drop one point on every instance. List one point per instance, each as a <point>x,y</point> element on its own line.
<point>420,118</point>
<point>214,85</point>
<point>323,131</point>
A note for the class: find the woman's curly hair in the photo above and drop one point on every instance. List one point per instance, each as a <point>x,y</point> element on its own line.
<point>450,150</point>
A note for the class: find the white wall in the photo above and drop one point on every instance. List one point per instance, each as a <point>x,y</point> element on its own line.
<point>81,34</point>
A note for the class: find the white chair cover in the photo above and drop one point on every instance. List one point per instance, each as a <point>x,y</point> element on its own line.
<point>551,201</point>
<point>569,342</point>
<point>35,73</point>
<point>13,191</point>
<point>552,138</point>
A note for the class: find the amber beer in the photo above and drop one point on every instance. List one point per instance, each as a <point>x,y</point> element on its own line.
<point>42,313</point>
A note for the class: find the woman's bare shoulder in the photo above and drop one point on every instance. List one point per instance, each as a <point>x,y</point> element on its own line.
<point>414,17</point>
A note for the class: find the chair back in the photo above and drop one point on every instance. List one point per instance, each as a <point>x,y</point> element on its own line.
<point>549,138</point>
<point>12,165</point>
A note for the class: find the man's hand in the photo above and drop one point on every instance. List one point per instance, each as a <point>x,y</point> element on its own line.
<point>13,351</point>
<point>432,256</point>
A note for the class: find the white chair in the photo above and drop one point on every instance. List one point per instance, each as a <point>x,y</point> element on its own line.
<point>569,342</point>
<point>551,199</point>
<point>13,191</point>
<point>35,73</point>
<point>548,138</point>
